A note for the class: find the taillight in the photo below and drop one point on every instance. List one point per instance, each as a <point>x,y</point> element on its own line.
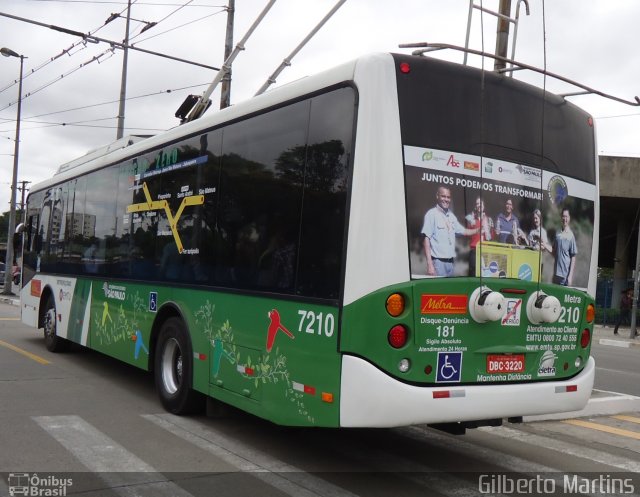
<point>405,68</point>
<point>398,336</point>
<point>591,313</point>
<point>585,338</point>
<point>395,304</point>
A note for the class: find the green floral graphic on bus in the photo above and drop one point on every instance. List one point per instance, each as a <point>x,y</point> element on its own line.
<point>122,322</point>
<point>263,369</point>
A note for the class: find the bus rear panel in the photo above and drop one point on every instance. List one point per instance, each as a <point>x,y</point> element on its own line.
<point>495,319</point>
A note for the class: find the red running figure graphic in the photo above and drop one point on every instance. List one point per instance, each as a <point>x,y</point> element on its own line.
<point>274,326</point>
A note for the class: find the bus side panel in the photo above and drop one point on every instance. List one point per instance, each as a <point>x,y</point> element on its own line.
<point>377,217</point>
<point>121,318</point>
<point>274,358</point>
<point>29,303</point>
<point>70,297</point>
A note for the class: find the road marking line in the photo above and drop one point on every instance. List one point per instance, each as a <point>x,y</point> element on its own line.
<point>126,474</point>
<point>280,475</point>
<point>508,463</point>
<point>9,319</point>
<point>25,353</point>
<point>600,427</point>
<point>623,463</point>
<point>631,419</point>
<point>295,481</point>
<point>615,343</point>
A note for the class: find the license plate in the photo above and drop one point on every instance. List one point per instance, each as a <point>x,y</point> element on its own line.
<point>512,363</point>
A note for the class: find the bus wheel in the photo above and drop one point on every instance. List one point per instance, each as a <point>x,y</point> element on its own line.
<point>51,339</point>
<point>174,369</point>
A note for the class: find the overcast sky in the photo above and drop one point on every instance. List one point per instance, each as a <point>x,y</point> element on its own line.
<point>72,104</point>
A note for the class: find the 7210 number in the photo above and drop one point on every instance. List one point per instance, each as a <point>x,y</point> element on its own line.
<point>316,323</point>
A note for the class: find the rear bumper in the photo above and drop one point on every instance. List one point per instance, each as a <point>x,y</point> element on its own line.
<point>371,398</point>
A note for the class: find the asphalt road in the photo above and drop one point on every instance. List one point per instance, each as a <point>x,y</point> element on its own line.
<point>91,426</point>
<point>617,368</point>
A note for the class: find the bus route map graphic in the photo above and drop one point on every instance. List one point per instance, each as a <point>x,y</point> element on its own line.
<point>156,205</point>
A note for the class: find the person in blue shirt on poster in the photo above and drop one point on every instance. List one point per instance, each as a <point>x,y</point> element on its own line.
<point>507,224</point>
<point>439,230</point>
<point>565,250</point>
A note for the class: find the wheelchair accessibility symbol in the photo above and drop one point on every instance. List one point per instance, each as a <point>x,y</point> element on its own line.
<point>153,301</point>
<point>449,367</point>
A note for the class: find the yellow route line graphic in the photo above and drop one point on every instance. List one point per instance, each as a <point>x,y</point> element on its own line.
<point>631,419</point>
<point>31,356</point>
<point>605,428</point>
<point>156,205</point>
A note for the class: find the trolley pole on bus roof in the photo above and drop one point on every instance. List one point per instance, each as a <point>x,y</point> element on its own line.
<point>203,102</point>
<point>225,89</point>
<point>123,81</point>
<point>287,61</point>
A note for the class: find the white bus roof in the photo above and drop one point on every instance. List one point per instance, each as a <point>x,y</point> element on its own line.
<point>122,149</point>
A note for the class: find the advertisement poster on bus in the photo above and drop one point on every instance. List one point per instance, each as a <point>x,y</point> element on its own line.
<point>477,216</point>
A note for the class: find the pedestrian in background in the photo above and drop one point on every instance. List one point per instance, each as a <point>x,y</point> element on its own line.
<point>626,302</point>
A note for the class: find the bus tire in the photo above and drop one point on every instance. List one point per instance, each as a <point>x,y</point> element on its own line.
<point>52,341</point>
<point>173,369</point>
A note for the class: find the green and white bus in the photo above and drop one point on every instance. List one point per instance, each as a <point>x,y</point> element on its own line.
<point>311,256</point>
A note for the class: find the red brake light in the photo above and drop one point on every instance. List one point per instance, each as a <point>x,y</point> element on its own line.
<point>405,68</point>
<point>398,336</point>
<point>585,338</point>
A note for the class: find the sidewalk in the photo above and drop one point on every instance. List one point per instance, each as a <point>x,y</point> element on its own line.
<point>604,336</point>
<point>10,299</point>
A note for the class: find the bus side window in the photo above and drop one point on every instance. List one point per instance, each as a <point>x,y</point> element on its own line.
<point>325,197</point>
<point>260,199</point>
<point>32,225</point>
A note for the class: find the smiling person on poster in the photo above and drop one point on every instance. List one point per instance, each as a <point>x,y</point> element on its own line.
<point>479,220</point>
<point>439,231</point>
<point>537,237</point>
<point>507,224</point>
<point>565,250</point>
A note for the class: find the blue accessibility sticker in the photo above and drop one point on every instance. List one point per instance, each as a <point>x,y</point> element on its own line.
<point>153,301</point>
<point>449,367</point>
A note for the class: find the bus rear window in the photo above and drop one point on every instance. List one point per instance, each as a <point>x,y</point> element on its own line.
<point>489,192</point>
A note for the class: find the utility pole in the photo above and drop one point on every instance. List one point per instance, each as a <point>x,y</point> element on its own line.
<point>502,35</point>
<point>123,81</point>
<point>225,89</point>
<point>23,189</point>
<point>636,287</point>
<point>10,256</point>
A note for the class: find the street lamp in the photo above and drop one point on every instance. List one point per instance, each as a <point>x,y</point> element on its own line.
<point>8,269</point>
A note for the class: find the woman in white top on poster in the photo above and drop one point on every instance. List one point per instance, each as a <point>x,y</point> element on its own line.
<point>537,238</point>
